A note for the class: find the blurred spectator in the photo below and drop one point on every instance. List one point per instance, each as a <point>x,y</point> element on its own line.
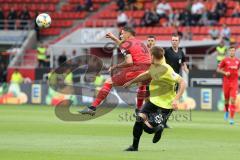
<point>12,16</point>
<point>221,8</point>
<point>131,22</point>
<point>221,51</point>
<point>226,34</point>
<point>121,5</point>
<point>138,5</point>
<point>197,10</point>
<point>99,80</point>
<point>130,4</point>
<point>1,19</point>
<point>74,58</point>
<point>185,18</point>
<point>122,19</point>
<point>25,16</point>
<point>69,77</point>
<point>174,18</point>
<point>62,58</point>
<point>213,33</point>
<point>189,5</point>
<point>204,18</point>
<point>149,18</point>
<point>236,10</point>
<point>213,15</point>
<point>3,73</point>
<point>163,9</point>
<point>88,5</point>
<point>187,34</point>
<point>41,56</point>
<point>16,77</point>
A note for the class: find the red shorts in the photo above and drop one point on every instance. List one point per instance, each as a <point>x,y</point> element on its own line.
<point>230,90</point>
<point>123,75</point>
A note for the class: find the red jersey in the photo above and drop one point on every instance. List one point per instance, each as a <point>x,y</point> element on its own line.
<point>232,66</point>
<point>139,52</point>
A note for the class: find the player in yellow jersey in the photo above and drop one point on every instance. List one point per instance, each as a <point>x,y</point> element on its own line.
<point>163,98</point>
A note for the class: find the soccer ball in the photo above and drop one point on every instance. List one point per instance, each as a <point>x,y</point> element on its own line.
<point>43,20</point>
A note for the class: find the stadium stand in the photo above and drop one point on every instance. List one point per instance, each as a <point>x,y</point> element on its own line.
<point>64,15</point>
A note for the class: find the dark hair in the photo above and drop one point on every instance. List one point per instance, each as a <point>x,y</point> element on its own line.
<point>176,35</point>
<point>231,47</point>
<point>130,30</point>
<point>152,36</point>
<point>157,52</point>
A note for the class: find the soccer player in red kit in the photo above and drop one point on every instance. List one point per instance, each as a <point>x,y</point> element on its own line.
<point>229,67</point>
<point>137,60</point>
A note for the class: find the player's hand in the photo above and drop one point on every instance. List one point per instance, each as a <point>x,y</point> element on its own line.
<point>227,74</point>
<point>175,104</point>
<point>112,68</point>
<point>109,35</point>
<point>127,85</point>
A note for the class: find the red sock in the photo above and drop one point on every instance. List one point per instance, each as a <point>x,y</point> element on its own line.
<point>141,96</point>
<point>102,94</point>
<point>232,110</point>
<point>226,108</point>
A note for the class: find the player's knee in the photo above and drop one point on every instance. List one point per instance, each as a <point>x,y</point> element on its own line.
<point>232,101</point>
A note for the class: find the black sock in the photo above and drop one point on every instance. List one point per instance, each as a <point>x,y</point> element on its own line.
<point>92,108</point>
<point>137,132</point>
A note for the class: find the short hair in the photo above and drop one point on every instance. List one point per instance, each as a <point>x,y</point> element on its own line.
<point>176,35</point>
<point>130,30</point>
<point>152,36</point>
<point>232,47</point>
<point>157,52</point>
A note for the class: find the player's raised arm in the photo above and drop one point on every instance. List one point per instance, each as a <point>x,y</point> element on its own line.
<point>140,78</point>
<point>114,38</point>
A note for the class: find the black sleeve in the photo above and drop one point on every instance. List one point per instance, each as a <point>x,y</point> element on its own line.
<point>166,53</point>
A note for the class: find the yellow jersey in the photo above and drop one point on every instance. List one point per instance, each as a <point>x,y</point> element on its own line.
<point>162,85</point>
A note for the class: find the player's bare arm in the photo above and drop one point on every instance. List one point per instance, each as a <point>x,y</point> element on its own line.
<point>182,87</point>
<point>126,63</point>
<point>185,68</point>
<point>114,38</point>
<point>142,77</point>
<point>221,71</point>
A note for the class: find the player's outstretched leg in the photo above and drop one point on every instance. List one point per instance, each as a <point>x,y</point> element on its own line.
<point>157,136</point>
<point>102,94</point>
<point>137,132</point>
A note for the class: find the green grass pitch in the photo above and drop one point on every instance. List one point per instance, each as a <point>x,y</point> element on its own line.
<point>35,133</point>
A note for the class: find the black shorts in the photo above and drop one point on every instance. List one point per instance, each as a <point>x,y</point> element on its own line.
<point>156,115</point>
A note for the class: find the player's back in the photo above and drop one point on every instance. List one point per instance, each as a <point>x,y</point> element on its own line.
<point>139,52</point>
<point>162,86</point>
